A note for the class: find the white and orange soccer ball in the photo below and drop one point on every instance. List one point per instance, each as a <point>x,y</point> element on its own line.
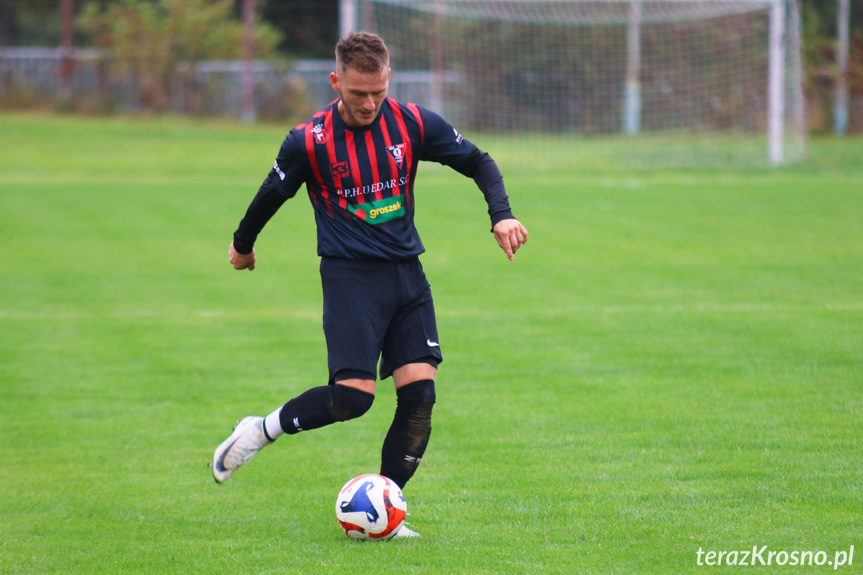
<point>371,507</point>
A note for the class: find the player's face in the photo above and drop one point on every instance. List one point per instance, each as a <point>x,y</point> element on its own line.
<point>361,93</point>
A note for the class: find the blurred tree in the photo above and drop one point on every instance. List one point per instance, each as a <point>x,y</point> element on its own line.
<point>146,40</point>
<point>311,27</point>
<point>819,47</point>
<point>29,22</point>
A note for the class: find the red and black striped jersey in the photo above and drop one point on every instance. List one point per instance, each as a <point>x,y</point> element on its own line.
<point>361,180</point>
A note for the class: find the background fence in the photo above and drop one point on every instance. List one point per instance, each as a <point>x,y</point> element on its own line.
<point>33,76</point>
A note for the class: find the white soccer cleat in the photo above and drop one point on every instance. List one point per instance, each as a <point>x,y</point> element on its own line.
<point>406,531</point>
<point>247,439</point>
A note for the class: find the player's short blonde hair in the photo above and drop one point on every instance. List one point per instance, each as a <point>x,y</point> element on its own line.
<point>363,52</point>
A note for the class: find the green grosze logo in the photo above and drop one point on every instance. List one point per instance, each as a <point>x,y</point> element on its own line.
<point>380,211</point>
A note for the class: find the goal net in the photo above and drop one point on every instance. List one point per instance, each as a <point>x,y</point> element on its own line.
<point>605,82</point>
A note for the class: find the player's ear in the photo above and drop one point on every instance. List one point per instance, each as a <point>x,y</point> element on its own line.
<point>334,81</point>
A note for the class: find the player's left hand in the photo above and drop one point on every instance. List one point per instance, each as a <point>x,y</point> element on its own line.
<point>510,236</point>
<point>241,261</point>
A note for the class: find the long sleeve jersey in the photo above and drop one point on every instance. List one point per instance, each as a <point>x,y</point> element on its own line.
<point>361,180</point>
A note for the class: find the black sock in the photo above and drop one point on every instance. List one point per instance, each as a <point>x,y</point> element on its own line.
<point>322,406</point>
<point>409,433</point>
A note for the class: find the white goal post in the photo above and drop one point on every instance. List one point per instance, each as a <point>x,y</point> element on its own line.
<point>641,82</point>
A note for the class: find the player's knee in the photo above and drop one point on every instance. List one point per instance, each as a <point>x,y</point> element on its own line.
<point>418,398</point>
<point>349,403</point>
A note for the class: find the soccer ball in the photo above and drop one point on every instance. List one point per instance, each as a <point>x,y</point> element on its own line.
<point>371,507</point>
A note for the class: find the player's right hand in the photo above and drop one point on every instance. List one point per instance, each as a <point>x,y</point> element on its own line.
<point>241,261</point>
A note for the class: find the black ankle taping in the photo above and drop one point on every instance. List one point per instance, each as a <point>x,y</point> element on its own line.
<point>409,433</point>
<point>267,435</point>
<point>322,406</point>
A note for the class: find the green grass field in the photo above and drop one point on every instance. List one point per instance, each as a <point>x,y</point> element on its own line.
<point>673,363</point>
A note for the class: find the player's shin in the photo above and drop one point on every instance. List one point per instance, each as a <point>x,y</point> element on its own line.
<point>409,433</point>
<point>322,406</point>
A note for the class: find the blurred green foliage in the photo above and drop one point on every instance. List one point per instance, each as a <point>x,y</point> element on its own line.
<point>147,39</point>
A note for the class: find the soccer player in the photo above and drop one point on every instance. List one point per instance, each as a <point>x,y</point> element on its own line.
<point>358,158</point>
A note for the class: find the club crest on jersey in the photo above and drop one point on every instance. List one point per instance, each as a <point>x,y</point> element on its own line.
<point>319,133</point>
<point>398,153</point>
<point>340,170</point>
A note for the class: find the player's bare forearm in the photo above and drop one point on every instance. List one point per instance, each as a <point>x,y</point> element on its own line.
<point>510,235</point>
<point>241,261</point>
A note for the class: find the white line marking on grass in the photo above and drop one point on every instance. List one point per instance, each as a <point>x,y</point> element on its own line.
<point>670,309</point>
<point>315,314</point>
<point>165,314</point>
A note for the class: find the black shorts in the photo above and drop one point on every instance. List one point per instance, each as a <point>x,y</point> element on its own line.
<point>377,309</point>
